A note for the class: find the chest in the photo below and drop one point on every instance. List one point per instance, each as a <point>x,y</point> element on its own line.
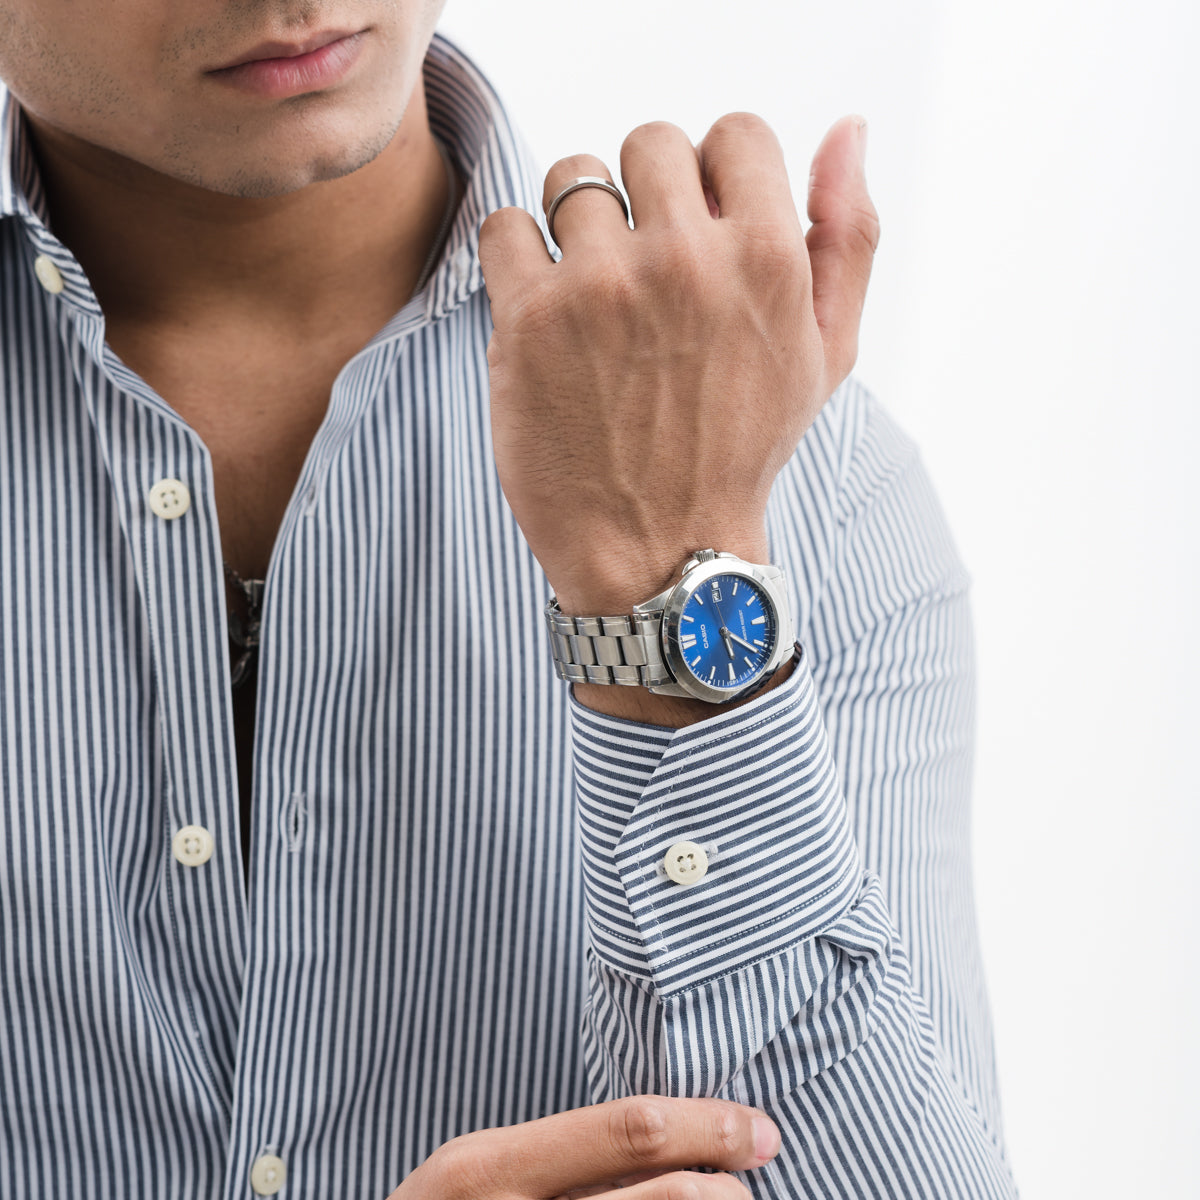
<point>258,436</point>
<point>255,397</point>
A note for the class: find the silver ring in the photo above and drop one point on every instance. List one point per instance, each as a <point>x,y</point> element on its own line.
<point>584,181</point>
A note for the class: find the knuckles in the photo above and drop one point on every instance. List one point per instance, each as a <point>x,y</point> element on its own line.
<point>457,1168</point>
<point>678,1187</point>
<point>448,1156</point>
<point>684,1185</point>
<point>737,129</point>
<point>741,124</point>
<point>865,224</point>
<point>728,1132</point>
<point>500,227</point>
<point>683,269</point>
<point>640,1125</point>
<point>652,134</point>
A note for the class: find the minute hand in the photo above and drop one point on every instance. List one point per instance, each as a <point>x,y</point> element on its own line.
<point>739,641</point>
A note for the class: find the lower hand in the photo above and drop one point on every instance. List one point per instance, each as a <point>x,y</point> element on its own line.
<point>642,1146</point>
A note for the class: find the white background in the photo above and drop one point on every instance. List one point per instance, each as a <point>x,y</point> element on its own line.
<point>1032,321</point>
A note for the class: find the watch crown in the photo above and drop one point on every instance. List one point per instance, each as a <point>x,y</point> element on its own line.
<point>697,558</point>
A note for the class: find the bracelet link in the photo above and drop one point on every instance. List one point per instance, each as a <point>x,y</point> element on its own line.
<point>622,650</point>
<point>608,650</point>
<point>582,652</point>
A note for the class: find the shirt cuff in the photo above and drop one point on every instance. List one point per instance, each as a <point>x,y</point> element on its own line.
<point>757,790</point>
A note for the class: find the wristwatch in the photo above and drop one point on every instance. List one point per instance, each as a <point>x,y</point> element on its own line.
<point>717,634</point>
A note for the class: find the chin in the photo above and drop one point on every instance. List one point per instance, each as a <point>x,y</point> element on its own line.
<point>262,180</point>
<point>282,166</point>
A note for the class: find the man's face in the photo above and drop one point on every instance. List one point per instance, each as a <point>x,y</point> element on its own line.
<point>152,81</point>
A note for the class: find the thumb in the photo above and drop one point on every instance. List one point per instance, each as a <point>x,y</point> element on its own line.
<point>841,242</point>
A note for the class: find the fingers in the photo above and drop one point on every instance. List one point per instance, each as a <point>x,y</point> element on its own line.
<point>743,164</point>
<point>756,248</point>
<point>511,252</point>
<point>578,1149</point>
<point>683,1185</point>
<point>841,242</point>
<point>672,1185</point>
<point>661,170</point>
<point>589,217</point>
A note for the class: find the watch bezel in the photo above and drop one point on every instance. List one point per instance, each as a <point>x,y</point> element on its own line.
<point>769,581</point>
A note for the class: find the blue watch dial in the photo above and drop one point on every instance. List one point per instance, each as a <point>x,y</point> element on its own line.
<point>727,631</point>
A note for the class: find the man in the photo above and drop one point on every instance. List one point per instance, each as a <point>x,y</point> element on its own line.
<point>296,896</point>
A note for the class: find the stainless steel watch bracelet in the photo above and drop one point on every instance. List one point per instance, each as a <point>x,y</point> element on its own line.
<point>644,648</point>
<point>622,650</point>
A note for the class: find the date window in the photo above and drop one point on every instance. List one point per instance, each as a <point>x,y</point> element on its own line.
<point>716,592</point>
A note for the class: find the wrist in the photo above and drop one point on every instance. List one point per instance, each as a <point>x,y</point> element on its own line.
<point>668,712</point>
<point>624,575</point>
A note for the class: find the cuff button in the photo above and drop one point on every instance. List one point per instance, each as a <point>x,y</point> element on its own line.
<point>686,863</point>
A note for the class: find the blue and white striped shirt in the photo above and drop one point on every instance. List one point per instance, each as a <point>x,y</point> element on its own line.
<point>456,915</point>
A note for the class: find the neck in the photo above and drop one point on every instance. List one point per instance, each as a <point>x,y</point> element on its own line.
<point>162,254</point>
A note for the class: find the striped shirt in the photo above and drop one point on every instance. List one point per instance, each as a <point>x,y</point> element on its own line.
<point>457,915</point>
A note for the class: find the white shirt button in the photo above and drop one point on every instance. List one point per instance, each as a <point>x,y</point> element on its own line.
<point>686,863</point>
<point>169,499</point>
<point>267,1174</point>
<point>49,276</point>
<point>192,845</point>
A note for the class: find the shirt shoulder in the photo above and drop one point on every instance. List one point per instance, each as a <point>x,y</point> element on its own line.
<point>855,520</point>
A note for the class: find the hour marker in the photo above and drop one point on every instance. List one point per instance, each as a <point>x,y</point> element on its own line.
<point>712,672</point>
<point>697,659</point>
<point>758,621</point>
<point>688,641</point>
<point>699,598</point>
<point>731,674</point>
<point>734,592</point>
<point>750,600</point>
<point>687,618</point>
<point>749,661</point>
<point>757,642</point>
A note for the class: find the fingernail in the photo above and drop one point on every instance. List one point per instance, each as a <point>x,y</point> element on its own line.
<point>766,1138</point>
<point>862,142</point>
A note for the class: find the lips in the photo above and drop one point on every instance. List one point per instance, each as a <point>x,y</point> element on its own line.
<point>282,70</point>
<point>268,51</point>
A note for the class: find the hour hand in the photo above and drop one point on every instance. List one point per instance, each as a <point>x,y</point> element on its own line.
<point>725,636</point>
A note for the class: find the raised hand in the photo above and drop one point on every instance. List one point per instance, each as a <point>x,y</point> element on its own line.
<point>647,389</point>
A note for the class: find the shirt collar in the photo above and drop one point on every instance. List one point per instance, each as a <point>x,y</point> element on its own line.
<point>20,184</point>
<point>22,197</point>
<point>465,114</point>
